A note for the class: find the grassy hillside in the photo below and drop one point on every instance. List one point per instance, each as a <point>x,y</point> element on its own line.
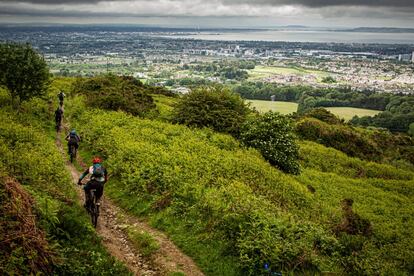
<point>223,204</point>
<point>58,239</point>
<point>234,213</point>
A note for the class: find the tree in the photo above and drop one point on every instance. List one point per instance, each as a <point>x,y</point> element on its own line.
<point>23,71</point>
<point>272,134</point>
<point>214,107</point>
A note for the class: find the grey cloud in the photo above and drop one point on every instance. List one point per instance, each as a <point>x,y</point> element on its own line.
<point>306,3</point>
<point>327,3</point>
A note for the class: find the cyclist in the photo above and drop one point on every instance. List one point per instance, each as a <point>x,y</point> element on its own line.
<point>58,116</point>
<point>61,97</point>
<point>73,139</point>
<point>99,176</point>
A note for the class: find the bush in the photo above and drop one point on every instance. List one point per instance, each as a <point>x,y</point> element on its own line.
<point>272,134</point>
<point>111,92</point>
<point>214,107</point>
<point>343,138</point>
<point>324,115</point>
<point>368,144</point>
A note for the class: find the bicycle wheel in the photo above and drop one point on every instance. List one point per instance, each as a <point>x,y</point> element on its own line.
<point>94,210</point>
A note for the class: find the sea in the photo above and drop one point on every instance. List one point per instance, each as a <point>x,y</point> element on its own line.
<point>303,36</point>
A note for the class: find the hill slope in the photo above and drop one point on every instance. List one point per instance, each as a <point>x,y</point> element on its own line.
<point>234,213</point>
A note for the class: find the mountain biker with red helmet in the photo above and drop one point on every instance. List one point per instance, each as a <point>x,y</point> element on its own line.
<point>99,176</point>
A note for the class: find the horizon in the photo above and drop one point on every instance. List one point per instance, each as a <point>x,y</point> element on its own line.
<point>188,27</point>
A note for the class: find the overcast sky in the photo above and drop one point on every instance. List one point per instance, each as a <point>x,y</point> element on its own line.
<point>214,13</point>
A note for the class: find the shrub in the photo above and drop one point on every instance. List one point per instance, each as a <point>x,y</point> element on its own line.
<point>272,134</point>
<point>214,107</point>
<point>111,92</point>
<point>323,115</point>
<point>343,138</point>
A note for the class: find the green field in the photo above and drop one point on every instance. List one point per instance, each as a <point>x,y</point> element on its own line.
<point>281,107</point>
<point>287,108</point>
<point>348,112</point>
<point>260,72</point>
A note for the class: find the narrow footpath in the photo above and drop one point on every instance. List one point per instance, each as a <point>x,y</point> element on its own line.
<point>113,224</point>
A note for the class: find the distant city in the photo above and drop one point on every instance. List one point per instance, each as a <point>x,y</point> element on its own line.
<point>164,57</point>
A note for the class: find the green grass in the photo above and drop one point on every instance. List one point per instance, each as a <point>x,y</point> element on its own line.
<point>348,113</point>
<point>281,107</point>
<point>144,242</point>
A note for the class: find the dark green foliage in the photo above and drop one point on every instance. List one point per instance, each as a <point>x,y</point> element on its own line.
<point>22,71</point>
<point>396,122</point>
<point>323,115</point>
<point>214,107</point>
<point>263,91</point>
<point>373,145</point>
<point>272,134</point>
<point>345,97</point>
<point>343,138</point>
<point>116,93</point>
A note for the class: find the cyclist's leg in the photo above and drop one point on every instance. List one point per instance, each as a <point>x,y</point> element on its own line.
<point>99,191</point>
<point>93,184</point>
<point>87,188</point>
<point>69,145</point>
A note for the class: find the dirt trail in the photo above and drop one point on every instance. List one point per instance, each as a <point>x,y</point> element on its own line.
<point>113,224</point>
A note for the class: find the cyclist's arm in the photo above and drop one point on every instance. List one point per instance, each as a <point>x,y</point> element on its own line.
<point>85,173</point>
<point>106,175</point>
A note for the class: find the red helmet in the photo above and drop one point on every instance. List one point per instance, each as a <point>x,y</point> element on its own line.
<point>96,160</point>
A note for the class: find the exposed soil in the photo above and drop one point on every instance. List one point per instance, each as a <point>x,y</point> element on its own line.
<point>112,227</point>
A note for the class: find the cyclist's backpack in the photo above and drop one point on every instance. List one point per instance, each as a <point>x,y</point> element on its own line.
<point>98,170</point>
<point>73,138</point>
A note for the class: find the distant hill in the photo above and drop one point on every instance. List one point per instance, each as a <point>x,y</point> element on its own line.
<point>379,30</point>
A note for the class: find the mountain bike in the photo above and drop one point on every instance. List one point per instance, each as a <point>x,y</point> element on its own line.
<point>72,153</point>
<point>93,208</point>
